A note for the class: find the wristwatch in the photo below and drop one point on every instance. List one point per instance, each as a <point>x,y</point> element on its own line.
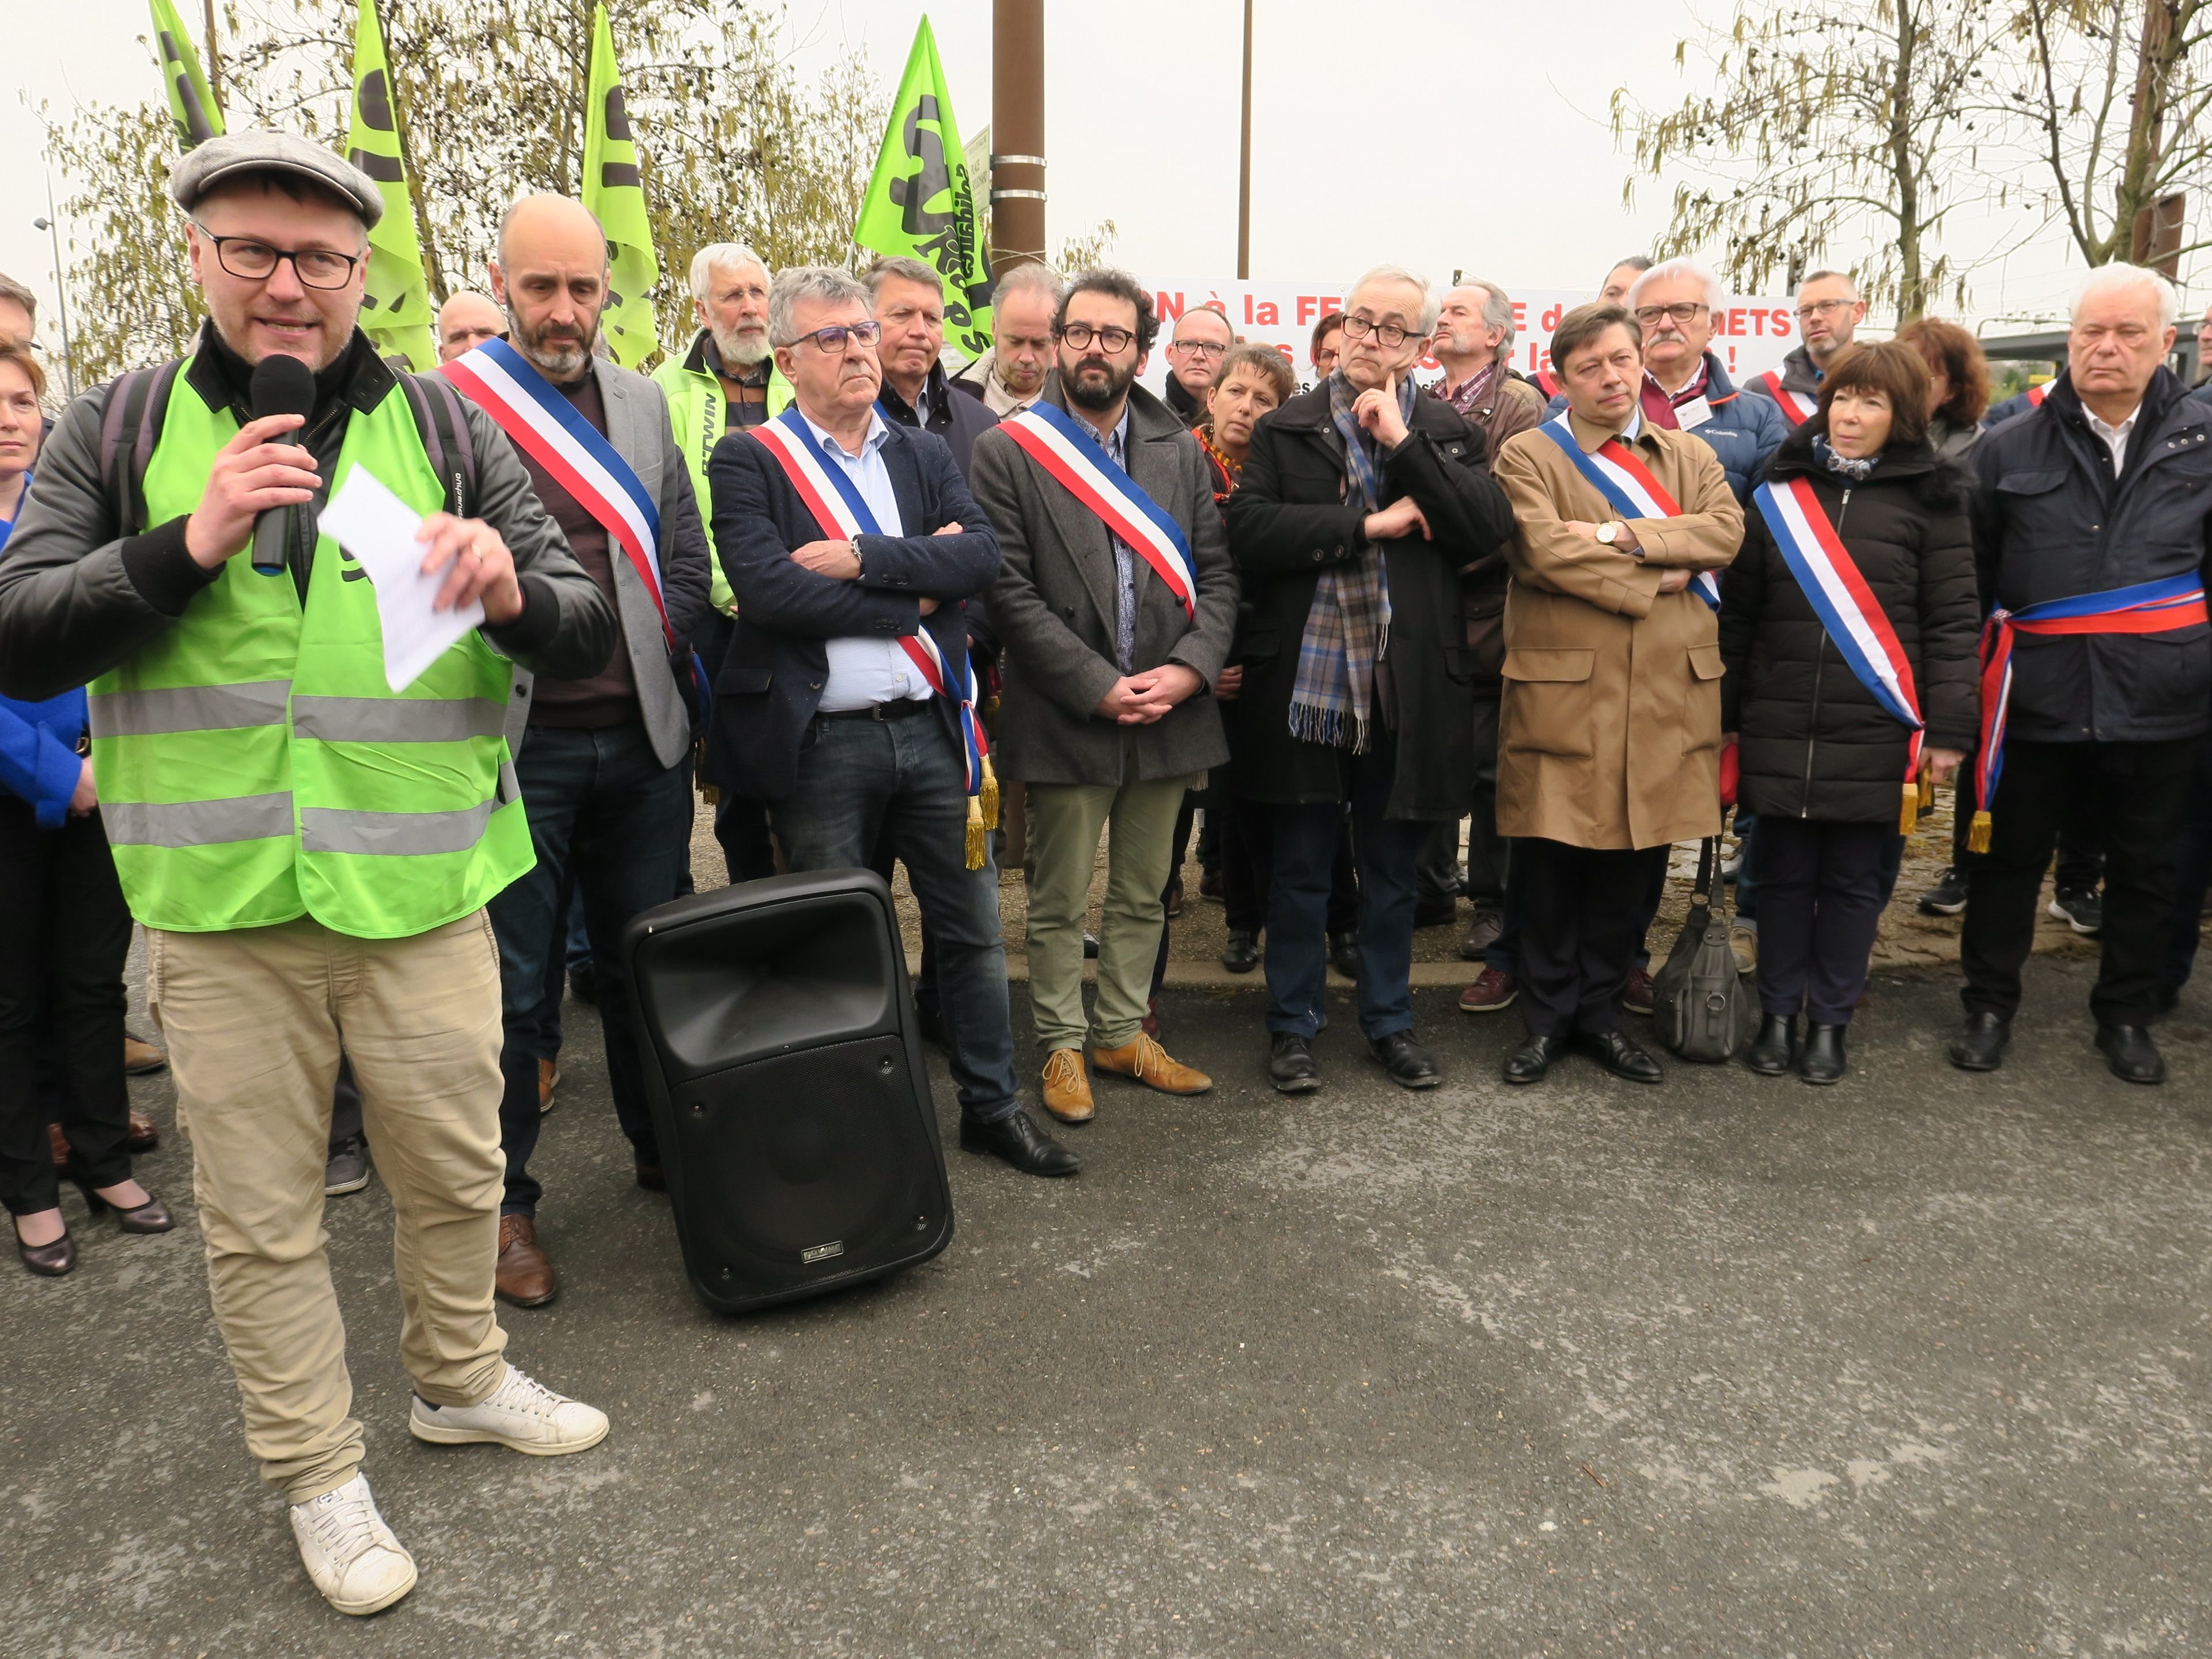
<point>1609,532</point>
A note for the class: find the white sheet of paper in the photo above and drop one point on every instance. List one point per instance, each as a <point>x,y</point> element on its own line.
<point>377,529</point>
<point>1693,414</point>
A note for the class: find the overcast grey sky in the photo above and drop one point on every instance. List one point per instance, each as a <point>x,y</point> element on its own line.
<point>1439,135</point>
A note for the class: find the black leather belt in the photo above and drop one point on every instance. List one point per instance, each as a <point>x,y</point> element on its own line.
<point>903,708</point>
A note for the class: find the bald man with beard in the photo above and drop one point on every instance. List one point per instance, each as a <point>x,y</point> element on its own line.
<point>603,760</point>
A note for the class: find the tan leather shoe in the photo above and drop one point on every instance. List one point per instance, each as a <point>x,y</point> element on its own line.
<point>142,1135</point>
<point>140,1058</point>
<point>525,1275</point>
<point>549,1079</point>
<point>1152,1066</point>
<point>1067,1086</point>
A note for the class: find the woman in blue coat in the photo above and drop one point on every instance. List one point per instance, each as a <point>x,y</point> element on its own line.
<point>67,932</point>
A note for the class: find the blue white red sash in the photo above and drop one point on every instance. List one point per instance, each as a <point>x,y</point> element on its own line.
<point>2036,394</point>
<point>2156,607</point>
<point>1854,618</point>
<point>546,427</point>
<point>1796,406</point>
<point>843,513</point>
<point>1065,447</point>
<point>1625,481</point>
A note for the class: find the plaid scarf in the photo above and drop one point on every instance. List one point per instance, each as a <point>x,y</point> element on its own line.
<point>1348,626</point>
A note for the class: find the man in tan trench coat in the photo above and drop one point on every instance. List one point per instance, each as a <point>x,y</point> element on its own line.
<point>1609,741</point>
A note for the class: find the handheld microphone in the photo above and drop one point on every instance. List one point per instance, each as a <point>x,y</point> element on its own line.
<point>281,385</point>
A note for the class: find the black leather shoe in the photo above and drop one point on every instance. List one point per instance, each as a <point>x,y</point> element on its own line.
<point>1528,1062</point>
<point>1823,1059</point>
<point>1291,1066</point>
<point>1617,1054</point>
<point>1344,953</point>
<point>1407,1062</point>
<point>1771,1050</point>
<point>1980,1044</point>
<point>1018,1141</point>
<point>650,1175</point>
<point>2132,1055</point>
<point>1242,954</point>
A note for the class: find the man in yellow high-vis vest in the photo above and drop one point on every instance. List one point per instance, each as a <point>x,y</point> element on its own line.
<point>310,851</point>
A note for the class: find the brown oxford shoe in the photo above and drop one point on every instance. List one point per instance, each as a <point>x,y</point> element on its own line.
<point>140,1057</point>
<point>1146,1062</point>
<point>1067,1087</point>
<point>524,1275</point>
<point>141,1136</point>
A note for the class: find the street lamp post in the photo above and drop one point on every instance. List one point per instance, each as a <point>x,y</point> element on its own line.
<point>61,293</point>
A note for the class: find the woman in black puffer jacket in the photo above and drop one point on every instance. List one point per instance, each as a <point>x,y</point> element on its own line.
<point>1821,762</point>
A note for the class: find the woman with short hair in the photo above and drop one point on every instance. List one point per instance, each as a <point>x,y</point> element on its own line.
<point>1848,627</point>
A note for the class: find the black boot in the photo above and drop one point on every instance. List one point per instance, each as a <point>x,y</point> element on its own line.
<point>1776,1045</point>
<point>1823,1059</point>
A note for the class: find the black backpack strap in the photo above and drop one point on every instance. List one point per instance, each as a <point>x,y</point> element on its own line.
<point>138,402</point>
<point>444,425</point>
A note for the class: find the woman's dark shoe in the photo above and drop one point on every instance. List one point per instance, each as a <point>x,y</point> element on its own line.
<point>1772,1049</point>
<point>1823,1059</point>
<point>1242,954</point>
<point>151,1217</point>
<point>48,1260</point>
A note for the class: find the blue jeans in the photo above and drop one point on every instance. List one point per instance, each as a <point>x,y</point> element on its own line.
<point>606,814</point>
<point>865,784</point>
<point>1387,853</point>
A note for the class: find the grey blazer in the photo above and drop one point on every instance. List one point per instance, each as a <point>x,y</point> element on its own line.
<point>1053,609</point>
<point>638,428</point>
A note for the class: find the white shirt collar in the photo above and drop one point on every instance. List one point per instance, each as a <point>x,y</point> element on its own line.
<point>2108,432</point>
<point>878,436</point>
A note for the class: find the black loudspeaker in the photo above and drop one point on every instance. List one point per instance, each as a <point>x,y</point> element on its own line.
<point>789,1087</point>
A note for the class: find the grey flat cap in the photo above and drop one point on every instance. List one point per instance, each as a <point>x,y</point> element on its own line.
<point>207,163</point>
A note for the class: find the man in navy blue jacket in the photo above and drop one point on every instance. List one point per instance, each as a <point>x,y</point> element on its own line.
<point>849,542</point>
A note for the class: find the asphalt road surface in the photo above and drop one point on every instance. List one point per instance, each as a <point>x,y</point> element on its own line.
<point>1919,1365</point>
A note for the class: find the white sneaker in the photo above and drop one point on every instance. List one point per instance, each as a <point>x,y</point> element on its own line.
<point>349,1553</point>
<point>521,1414</point>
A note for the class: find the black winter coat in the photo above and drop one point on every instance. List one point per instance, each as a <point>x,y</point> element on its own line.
<point>2052,522</point>
<point>1287,521</point>
<point>1814,743</point>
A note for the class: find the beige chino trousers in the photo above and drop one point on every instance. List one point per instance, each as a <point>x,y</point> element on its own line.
<point>254,1020</point>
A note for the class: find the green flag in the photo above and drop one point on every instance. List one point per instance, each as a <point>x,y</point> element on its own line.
<point>395,304</point>
<point>920,202</point>
<point>616,196</point>
<point>190,103</point>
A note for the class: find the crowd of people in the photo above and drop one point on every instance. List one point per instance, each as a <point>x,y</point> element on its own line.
<point>875,614</point>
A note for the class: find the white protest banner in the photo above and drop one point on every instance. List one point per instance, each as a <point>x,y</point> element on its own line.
<point>1751,333</point>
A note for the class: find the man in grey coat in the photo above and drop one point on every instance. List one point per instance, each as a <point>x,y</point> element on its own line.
<point>605,760</point>
<point>1107,648</point>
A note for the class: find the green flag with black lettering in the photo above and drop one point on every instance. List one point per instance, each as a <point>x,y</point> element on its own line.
<point>395,304</point>
<point>615,194</point>
<point>921,202</point>
<point>190,103</point>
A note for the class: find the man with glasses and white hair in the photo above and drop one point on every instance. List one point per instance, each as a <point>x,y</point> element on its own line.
<point>1685,387</point>
<point>1361,506</point>
<point>845,702</point>
<point>1010,375</point>
<point>1829,313</point>
<point>2093,529</point>
<point>1201,339</point>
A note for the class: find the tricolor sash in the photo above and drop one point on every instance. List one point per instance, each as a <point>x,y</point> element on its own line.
<point>1854,618</point>
<point>2036,394</point>
<point>546,427</point>
<point>2156,607</point>
<point>843,512</point>
<point>1796,406</point>
<point>1067,448</point>
<point>1616,474</point>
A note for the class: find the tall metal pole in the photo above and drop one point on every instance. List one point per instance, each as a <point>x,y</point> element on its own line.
<point>214,61</point>
<point>61,289</point>
<point>1017,133</point>
<point>1244,163</point>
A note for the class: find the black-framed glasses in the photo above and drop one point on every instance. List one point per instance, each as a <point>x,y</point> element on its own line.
<point>257,262</point>
<point>1681,311</point>
<point>1080,335</point>
<point>1389,336</point>
<point>1201,348</point>
<point>831,340</point>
